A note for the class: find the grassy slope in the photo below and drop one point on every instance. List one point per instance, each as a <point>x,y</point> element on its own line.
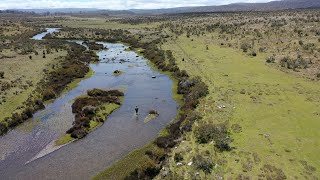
<point>31,70</point>
<point>277,113</point>
<point>123,167</point>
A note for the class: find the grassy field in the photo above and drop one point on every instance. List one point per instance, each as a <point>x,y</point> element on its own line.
<point>100,23</point>
<point>23,75</point>
<point>274,115</point>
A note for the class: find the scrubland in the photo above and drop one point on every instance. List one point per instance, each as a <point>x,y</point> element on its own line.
<point>249,87</point>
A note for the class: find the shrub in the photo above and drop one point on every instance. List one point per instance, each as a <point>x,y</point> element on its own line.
<point>98,92</point>
<point>178,157</point>
<point>147,173</point>
<point>271,59</point>
<point>1,74</point>
<point>245,46</point>
<point>253,53</point>
<point>217,132</point>
<point>3,128</point>
<point>48,94</point>
<point>300,42</point>
<point>153,112</point>
<point>204,164</point>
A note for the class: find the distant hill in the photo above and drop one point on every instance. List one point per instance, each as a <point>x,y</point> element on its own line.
<point>89,11</point>
<point>270,6</point>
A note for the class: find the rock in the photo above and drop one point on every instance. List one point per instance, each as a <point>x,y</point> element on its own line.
<point>179,164</point>
<point>153,77</point>
<point>190,163</point>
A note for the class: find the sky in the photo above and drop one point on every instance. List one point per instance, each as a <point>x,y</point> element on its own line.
<point>113,4</point>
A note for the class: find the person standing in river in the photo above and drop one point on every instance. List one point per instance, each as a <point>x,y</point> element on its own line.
<point>136,109</point>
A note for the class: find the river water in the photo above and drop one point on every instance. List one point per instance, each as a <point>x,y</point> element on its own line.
<point>26,152</point>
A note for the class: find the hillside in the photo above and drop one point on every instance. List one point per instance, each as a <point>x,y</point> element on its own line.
<point>270,6</point>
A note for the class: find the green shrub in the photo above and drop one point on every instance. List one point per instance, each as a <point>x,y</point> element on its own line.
<point>178,157</point>
<point>204,164</point>
<point>216,132</point>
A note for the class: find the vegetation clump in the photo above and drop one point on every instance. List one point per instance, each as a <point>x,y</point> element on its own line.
<point>86,110</point>
<point>117,72</point>
<point>93,45</point>
<point>204,164</point>
<point>1,74</point>
<point>214,132</point>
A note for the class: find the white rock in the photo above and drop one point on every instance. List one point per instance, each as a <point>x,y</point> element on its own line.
<point>190,163</point>
<point>179,164</point>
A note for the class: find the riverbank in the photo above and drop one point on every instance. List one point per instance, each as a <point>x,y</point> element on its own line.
<point>73,66</point>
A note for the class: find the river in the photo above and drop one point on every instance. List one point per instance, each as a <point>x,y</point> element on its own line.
<point>24,152</point>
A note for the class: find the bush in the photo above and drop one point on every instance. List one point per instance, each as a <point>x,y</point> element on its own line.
<point>1,74</point>
<point>98,92</point>
<point>245,46</point>
<point>153,112</point>
<point>178,157</point>
<point>271,59</point>
<point>204,164</point>
<point>48,94</point>
<point>3,128</point>
<point>216,132</point>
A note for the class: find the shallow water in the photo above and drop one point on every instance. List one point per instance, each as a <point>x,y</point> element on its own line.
<point>41,35</point>
<point>120,134</point>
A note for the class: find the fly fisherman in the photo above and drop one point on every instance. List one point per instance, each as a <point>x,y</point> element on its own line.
<point>136,109</point>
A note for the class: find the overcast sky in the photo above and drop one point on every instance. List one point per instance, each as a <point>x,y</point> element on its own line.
<point>113,4</point>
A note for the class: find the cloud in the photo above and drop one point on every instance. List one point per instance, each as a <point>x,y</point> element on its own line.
<point>113,4</point>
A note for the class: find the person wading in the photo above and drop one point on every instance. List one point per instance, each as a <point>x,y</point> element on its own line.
<point>136,109</point>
